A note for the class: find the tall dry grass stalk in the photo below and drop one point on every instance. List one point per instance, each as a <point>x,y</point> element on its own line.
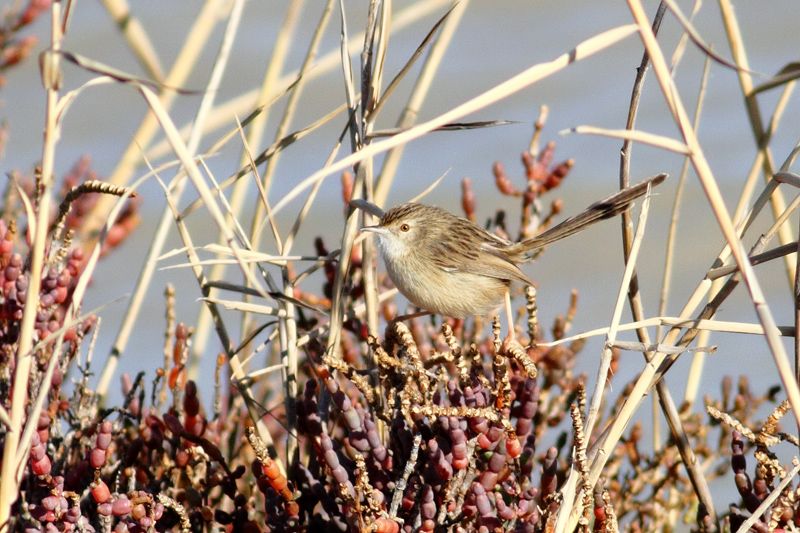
<point>346,396</point>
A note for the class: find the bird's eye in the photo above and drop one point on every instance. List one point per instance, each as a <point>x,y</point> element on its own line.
<point>404,227</point>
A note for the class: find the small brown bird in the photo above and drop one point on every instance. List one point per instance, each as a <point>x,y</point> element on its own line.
<point>447,265</point>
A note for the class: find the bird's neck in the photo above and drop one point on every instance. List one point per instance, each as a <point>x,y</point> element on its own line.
<point>392,249</point>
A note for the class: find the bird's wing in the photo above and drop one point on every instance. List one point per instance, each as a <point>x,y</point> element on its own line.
<point>468,248</point>
<point>491,263</point>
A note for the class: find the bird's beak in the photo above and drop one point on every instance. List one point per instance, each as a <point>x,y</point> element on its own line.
<point>380,230</point>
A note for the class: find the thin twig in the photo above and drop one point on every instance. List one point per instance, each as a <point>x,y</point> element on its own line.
<point>605,359</point>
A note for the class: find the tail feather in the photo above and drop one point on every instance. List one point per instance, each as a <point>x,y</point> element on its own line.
<point>607,208</point>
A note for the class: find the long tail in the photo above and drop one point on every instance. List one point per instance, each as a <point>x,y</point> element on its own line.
<point>611,206</point>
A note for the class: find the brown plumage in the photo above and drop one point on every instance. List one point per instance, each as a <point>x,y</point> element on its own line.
<point>446,264</point>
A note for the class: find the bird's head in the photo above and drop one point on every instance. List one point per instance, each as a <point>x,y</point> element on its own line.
<point>405,228</point>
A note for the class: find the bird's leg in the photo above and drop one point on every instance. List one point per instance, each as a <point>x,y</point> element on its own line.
<point>509,315</point>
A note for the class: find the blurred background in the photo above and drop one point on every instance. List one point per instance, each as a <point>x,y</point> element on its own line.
<point>494,42</point>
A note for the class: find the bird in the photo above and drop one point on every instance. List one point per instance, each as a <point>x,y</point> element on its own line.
<point>445,264</point>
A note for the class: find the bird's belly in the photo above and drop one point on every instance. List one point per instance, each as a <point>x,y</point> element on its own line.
<point>453,294</point>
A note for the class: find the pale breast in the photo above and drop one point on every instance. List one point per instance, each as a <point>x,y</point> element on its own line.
<point>453,294</point>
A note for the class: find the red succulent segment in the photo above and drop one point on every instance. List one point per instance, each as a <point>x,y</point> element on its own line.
<point>429,428</point>
<point>39,461</point>
<point>540,177</point>
<point>16,48</point>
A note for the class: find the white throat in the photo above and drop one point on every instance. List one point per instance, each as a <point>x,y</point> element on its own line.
<point>391,247</point>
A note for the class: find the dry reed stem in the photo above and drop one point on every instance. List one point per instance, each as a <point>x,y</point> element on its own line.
<point>373,58</point>
<point>248,256</point>
<point>673,350</point>
<point>680,48</point>
<point>247,307</point>
<point>742,227</point>
<point>238,372</point>
<point>697,39</point>
<point>265,154</point>
<point>258,374</point>
<point>305,70</point>
<point>287,327</point>
<point>136,37</point>
<point>739,54</point>
<point>275,66</point>
<point>245,103</point>
<point>658,141</point>
<point>797,319</point>
<point>184,234</point>
<point>522,80</point>
<point>237,227</point>
<point>418,95</point>
<point>332,347</point>
<point>611,337</point>
<point>671,413</point>
<point>789,178</point>
<point>625,406</point>
<point>722,326</point>
<point>66,101</point>
<point>696,369</point>
<point>165,222</point>
<point>758,161</point>
<point>337,301</point>
<point>634,297</point>
<point>732,282</point>
<point>785,76</point>
<point>262,196</point>
<point>177,76</point>
<point>197,179</point>
<point>763,257</point>
<point>289,357</point>
<point>378,103</point>
<point>309,202</point>
<point>10,472</point>
<point>712,191</point>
